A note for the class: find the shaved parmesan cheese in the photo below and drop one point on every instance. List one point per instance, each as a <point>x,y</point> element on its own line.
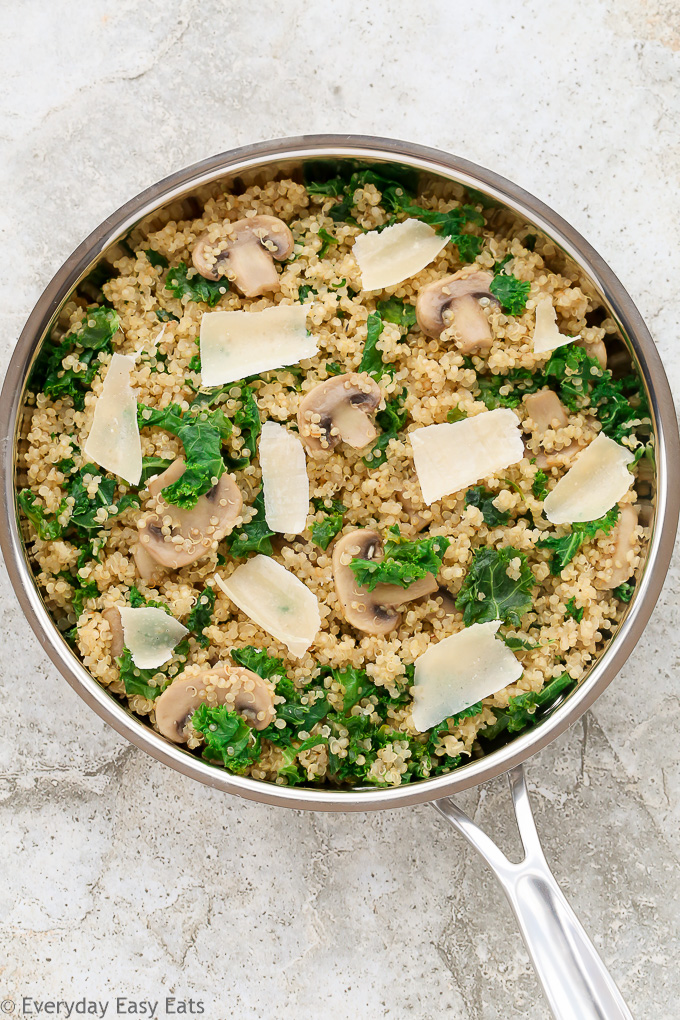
<point>276,600</point>
<point>284,479</point>
<point>114,441</point>
<point>389,256</point>
<point>237,344</point>
<point>459,671</point>
<point>450,457</point>
<point>598,480</point>
<point>547,336</point>
<point>150,634</point>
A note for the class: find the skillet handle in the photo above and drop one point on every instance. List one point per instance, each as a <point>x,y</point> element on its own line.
<point>575,981</point>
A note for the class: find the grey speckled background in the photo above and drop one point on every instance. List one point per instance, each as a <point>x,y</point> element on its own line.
<point>122,878</point>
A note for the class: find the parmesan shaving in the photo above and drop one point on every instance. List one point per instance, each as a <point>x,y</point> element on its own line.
<point>284,479</point>
<point>547,336</point>
<point>113,442</point>
<point>459,671</point>
<point>276,600</point>
<point>389,256</point>
<point>150,634</point>
<point>238,344</point>
<point>598,479</point>
<point>450,457</point>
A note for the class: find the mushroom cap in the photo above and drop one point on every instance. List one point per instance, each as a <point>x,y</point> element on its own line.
<point>460,295</point>
<point>244,252</point>
<point>546,410</point>
<point>623,539</point>
<point>192,533</point>
<point>112,617</point>
<point>242,690</point>
<point>336,410</point>
<point>373,612</point>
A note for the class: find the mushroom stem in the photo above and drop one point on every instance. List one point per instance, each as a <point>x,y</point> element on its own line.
<point>252,268</point>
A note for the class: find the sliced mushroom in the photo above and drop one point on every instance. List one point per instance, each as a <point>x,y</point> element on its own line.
<point>454,301</point>
<point>417,521</point>
<point>244,253</point>
<point>117,642</point>
<point>242,690</point>
<point>336,410</point>
<point>547,412</point>
<point>374,612</point>
<point>623,538</point>
<point>595,349</point>
<point>172,537</point>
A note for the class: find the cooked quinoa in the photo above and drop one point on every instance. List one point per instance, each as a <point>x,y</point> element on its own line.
<point>341,713</point>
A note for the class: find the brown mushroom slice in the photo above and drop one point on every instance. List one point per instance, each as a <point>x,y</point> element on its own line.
<point>623,538</point>
<point>337,410</point>
<point>373,612</point>
<point>117,641</point>
<point>460,297</point>
<point>242,690</point>
<point>417,521</point>
<point>595,349</point>
<point>547,412</point>
<point>245,253</point>
<point>192,533</point>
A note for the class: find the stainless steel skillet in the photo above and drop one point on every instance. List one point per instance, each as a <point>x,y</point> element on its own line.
<point>574,979</point>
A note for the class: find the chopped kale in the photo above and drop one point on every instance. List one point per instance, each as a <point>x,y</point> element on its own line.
<point>511,292</point>
<point>152,466</point>
<point>456,414</point>
<point>520,380</point>
<point>565,548</point>
<point>401,313</point>
<point>259,661</point>
<point>572,611</point>
<point>327,240</point>
<point>200,616</point>
<point>157,260</point>
<point>254,536</point>
<point>82,590</point>
<point>247,420</point>
<point>149,683</point>
<point>324,531</point>
<point>46,525</point>
<point>304,291</point>
<point>538,486</point>
<point>163,315</point>
<point>333,368</point>
<point>183,280</point>
<point>85,509</point>
<point>202,434</point>
<point>403,562</point>
<point>228,738</point>
<point>483,499</point>
<point>521,710</point>
<point>371,359</point>
<point>489,593</point>
<point>451,224</point>
<point>518,644</point>
<point>391,421</point>
<point>624,591</point>
<point>94,335</point>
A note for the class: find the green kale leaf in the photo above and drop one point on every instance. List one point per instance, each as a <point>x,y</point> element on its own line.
<point>228,738</point>
<point>371,359</point>
<point>483,499</point>
<point>157,260</point>
<point>538,486</point>
<point>46,525</point>
<point>488,593</point>
<point>451,224</point>
<point>573,611</point>
<point>324,531</point>
<point>259,661</point>
<point>391,421</point>
<point>511,292</point>
<point>401,313</point>
<point>327,240</point>
<point>565,548</point>
<point>403,562</point>
<point>94,335</point>
<point>202,434</point>
<point>456,414</point>
<point>247,419</point>
<point>85,508</point>
<point>200,616</point>
<point>520,380</point>
<point>254,536</point>
<point>183,280</point>
<point>624,591</point>
<point>521,710</point>
<point>149,683</point>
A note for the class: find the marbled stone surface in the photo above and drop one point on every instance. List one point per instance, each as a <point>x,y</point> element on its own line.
<point>121,878</point>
